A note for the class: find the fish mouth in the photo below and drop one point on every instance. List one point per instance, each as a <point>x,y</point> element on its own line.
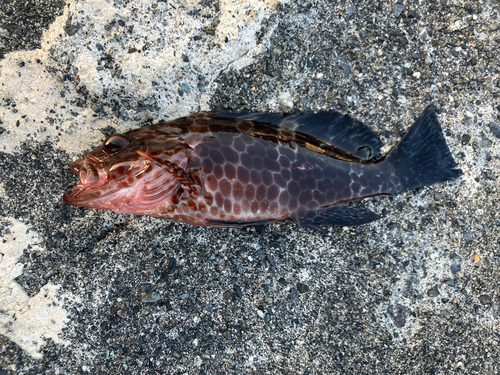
<point>91,179</point>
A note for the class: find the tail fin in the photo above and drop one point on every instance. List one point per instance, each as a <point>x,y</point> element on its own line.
<point>423,157</point>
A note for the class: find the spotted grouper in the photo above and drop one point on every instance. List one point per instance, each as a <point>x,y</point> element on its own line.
<point>234,169</point>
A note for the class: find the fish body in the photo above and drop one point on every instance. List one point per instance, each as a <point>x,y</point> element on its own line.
<point>222,169</point>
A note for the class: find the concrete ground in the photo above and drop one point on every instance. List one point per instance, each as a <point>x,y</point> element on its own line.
<point>86,291</point>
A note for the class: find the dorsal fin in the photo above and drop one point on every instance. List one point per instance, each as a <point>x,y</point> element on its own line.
<point>329,126</point>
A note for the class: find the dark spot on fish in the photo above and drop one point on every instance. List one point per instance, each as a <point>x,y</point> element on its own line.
<point>273,192</point>
<point>284,198</point>
<point>243,174</point>
<point>246,160</point>
<point>257,163</point>
<point>255,177</point>
<point>279,180</point>
<point>238,190</point>
<point>218,172</point>
<point>230,171</point>
<point>272,165</point>
<point>293,188</point>
<point>219,199</point>
<point>267,177</point>
<point>216,156</point>
<point>250,192</point>
<point>207,165</point>
<point>239,145</point>
<point>284,162</point>
<point>305,197</point>
<point>225,187</point>
<point>260,192</point>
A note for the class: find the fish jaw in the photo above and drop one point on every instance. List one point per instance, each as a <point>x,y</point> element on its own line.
<point>92,178</point>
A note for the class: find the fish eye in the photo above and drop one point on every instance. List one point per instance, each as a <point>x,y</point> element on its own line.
<point>115,143</point>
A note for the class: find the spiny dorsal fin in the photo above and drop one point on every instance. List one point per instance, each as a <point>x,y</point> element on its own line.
<point>329,126</point>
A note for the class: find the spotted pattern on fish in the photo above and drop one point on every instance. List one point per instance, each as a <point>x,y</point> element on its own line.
<point>237,169</point>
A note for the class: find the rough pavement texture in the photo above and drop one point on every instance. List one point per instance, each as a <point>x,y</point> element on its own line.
<point>85,291</point>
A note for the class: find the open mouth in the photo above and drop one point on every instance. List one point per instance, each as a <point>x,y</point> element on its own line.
<point>87,188</point>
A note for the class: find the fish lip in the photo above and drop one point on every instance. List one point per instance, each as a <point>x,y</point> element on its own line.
<point>85,168</point>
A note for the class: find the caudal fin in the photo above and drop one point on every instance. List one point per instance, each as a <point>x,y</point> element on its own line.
<point>423,157</point>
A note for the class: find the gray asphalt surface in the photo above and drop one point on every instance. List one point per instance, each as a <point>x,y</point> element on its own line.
<point>414,293</point>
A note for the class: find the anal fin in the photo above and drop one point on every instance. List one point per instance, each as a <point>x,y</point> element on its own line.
<point>337,215</point>
<point>232,223</point>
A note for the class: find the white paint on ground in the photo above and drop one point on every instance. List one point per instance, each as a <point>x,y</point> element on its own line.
<point>24,320</point>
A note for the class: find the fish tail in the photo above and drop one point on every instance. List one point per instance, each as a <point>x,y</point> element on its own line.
<point>422,157</point>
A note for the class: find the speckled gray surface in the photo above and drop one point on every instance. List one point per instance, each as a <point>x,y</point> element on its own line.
<point>414,293</point>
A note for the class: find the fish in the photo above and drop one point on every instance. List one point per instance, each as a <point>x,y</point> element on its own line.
<point>236,169</point>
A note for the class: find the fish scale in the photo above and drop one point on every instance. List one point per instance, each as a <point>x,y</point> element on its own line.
<point>235,169</point>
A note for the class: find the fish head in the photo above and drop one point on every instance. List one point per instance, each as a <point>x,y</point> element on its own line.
<point>119,174</point>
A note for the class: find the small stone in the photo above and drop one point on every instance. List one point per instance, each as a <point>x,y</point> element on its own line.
<point>485,143</point>
<point>397,313</point>
<point>475,258</point>
<point>485,299</point>
<point>350,10</point>
<point>428,60</point>
<point>294,295</point>
<point>438,196</point>
<point>344,64</point>
<point>277,51</point>
<point>185,296</point>
<point>197,361</point>
<point>237,290</point>
<point>446,314</point>
<point>416,74</point>
<point>449,282</point>
<point>490,175</point>
<point>455,267</point>
<point>132,50</point>
<point>495,129</point>
<point>72,29</point>
<point>122,313</point>
<point>282,281</point>
<point>433,292</point>
<point>271,262</point>
<point>409,236</point>
<point>469,114</point>
<point>171,266</point>
<point>96,108</point>
<point>468,237</point>
<point>465,139</point>
<point>494,26</point>
<point>302,288</point>
<point>151,297</point>
<point>398,9</point>
<point>185,88</point>
<point>21,63</point>
<point>227,295</point>
<point>260,313</point>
